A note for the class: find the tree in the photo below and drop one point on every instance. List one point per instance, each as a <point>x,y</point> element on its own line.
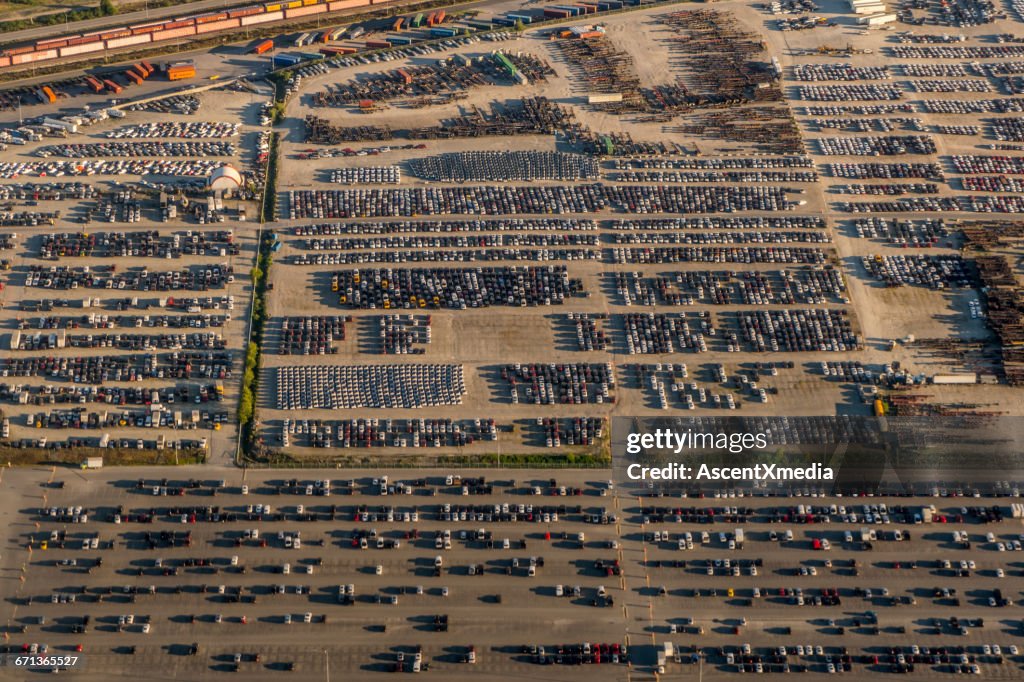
<point>519,26</point>
<point>107,8</point>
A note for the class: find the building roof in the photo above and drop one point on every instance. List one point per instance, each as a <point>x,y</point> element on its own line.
<point>225,177</point>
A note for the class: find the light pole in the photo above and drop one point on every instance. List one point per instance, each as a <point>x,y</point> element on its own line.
<point>327,666</point>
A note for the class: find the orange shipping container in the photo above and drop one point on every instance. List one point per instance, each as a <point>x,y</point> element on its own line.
<point>440,16</point>
<point>265,46</point>
<point>177,73</point>
<point>50,96</point>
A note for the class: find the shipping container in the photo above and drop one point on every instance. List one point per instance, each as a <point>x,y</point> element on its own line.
<point>112,86</point>
<point>142,70</point>
<point>224,25</point>
<point>439,17</point>
<point>331,50</point>
<point>53,42</point>
<point>337,33</point>
<point>301,40</point>
<point>175,33</point>
<point>377,44</point>
<point>399,23</point>
<point>133,77</point>
<point>480,25</point>
<point>94,84</point>
<point>294,4</point>
<point>431,18</point>
<point>24,49</point>
<point>272,8</point>
<point>525,18</point>
<point>240,12</point>
<point>505,21</point>
<point>149,67</point>
<point>147,28</point>
<point>265,46</point>
<point>399,40</point>
<point>417,20</point>
<point>955,379</point>
<point>180,23</point>
<point>404,76</point>
<point>309,56</point>
<point>443,32</point>
<point>356,32</point>
<point>180,72</point>
<point>589,9</point>
<point>128,41</point>
<point>552,13</point>
<point>212,16</point>
<point>573,10</point>
<point>84,40</point>
<point>5,61</point>
<point>72,50</point>
<point>346,4</point>
<point>604,98</point>
<point>49,94</point>
<point>304,11</point>
<point>608,5</point>
<point>262,18</point>
<point>116,33</point>
<point>31,57</point>
<point>282,61</point>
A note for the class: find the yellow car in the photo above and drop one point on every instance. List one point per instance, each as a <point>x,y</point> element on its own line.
<point>732,592</point>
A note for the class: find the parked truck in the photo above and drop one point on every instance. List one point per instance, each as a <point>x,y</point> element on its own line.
<point>92,463</point>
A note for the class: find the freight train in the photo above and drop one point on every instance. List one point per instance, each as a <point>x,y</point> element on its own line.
<point>170,29</point>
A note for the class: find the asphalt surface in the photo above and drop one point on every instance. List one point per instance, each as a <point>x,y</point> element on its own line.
<point>356,640</point>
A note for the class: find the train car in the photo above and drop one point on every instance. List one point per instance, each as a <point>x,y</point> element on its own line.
<point>211,17</point>
<point>339,5</point>
<point>116,33</point>
<point>32,56</point>
<point>72,50</point>
<point>304,11</point>
<point>53,42</point>
<point>262,18</point>
<point>147,28</point>
<point>179,23</point>
<point>174,33</point>
<point>240,12</point>
<point>128,41</point>
<point>221,25</point>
